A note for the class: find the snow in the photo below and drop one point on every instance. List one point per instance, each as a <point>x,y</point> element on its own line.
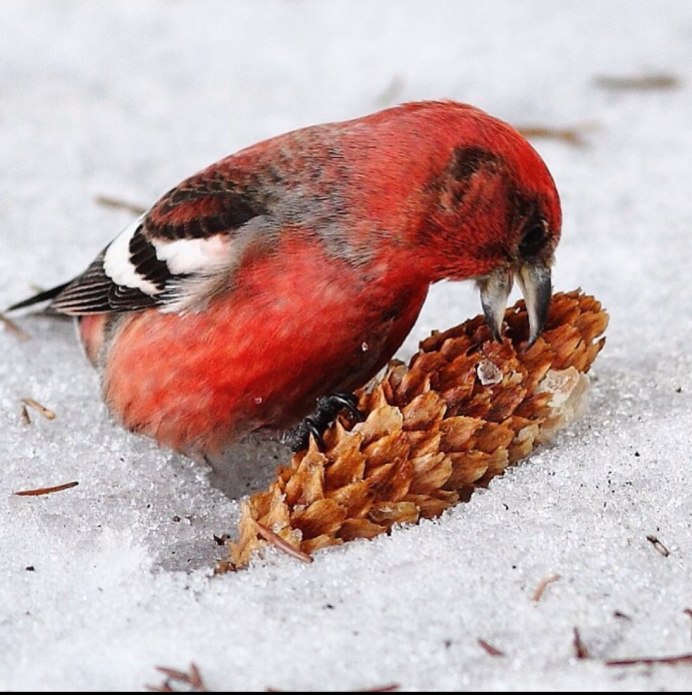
<point>102,582</point>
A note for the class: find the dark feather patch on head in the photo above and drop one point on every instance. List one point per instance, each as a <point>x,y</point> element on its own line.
<point>467,161</point>
<point>534,237</point>
<point>522,208</point>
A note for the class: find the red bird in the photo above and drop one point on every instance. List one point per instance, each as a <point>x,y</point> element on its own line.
<point>295,268</point>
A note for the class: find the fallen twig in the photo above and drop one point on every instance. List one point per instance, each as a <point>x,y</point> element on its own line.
<point>46,412</point>
<point>572,136</point>
<point>46,490</point>
<point>569,135</point>
<point>489,648</point>
<point>658,545</point>
<point>638,82</point>
<point>650,660</point>
<point>111,202</point>
<point>390,688</point>
<point>192,679</point>
<point>24,413</point>
<point>14,329</point>
<point>543,585</point>
<point>580,650</point>
<point>281,544</point>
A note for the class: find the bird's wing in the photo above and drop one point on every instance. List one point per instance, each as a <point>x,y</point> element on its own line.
<point>173,256</point>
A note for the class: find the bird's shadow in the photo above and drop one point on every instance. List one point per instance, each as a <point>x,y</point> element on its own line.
<point>199,535</point>
<point>248,467</point>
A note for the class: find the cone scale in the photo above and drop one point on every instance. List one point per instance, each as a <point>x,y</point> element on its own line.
<point>464,409</point>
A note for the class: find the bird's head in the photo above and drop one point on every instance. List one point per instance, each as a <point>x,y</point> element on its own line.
<point>496,215</point>
<point>526,254</point>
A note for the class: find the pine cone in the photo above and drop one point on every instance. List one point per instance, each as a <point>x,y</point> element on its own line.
<point>463,410</point>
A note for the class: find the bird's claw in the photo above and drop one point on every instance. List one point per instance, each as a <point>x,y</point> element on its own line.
<point>333,404</point>
<point>326,410</point>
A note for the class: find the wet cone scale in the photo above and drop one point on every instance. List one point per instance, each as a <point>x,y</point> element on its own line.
<point>464,409</point>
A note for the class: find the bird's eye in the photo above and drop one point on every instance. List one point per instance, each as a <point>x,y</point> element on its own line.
<point>533,239</point>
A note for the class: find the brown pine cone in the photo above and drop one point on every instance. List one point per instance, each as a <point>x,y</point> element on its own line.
<point>463,410</point>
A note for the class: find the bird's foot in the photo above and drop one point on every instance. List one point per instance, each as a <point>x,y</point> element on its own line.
<point>328,407</point>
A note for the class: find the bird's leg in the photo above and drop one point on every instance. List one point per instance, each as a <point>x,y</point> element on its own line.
<point>326,410</point>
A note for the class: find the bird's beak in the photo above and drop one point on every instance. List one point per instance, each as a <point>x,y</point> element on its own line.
<point>534,280</point>
<point>495,288</point>
<point>536,287</point>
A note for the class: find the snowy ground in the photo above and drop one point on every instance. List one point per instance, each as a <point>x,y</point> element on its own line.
<point>102,582</point>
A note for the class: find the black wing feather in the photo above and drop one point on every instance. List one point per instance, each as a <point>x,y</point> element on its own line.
<point>44,296</point>
<point>210,202</point>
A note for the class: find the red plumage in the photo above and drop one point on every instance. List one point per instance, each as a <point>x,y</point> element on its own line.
<point>296,267</point>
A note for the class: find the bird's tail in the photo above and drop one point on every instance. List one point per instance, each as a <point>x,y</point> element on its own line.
<point>40,298</point>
